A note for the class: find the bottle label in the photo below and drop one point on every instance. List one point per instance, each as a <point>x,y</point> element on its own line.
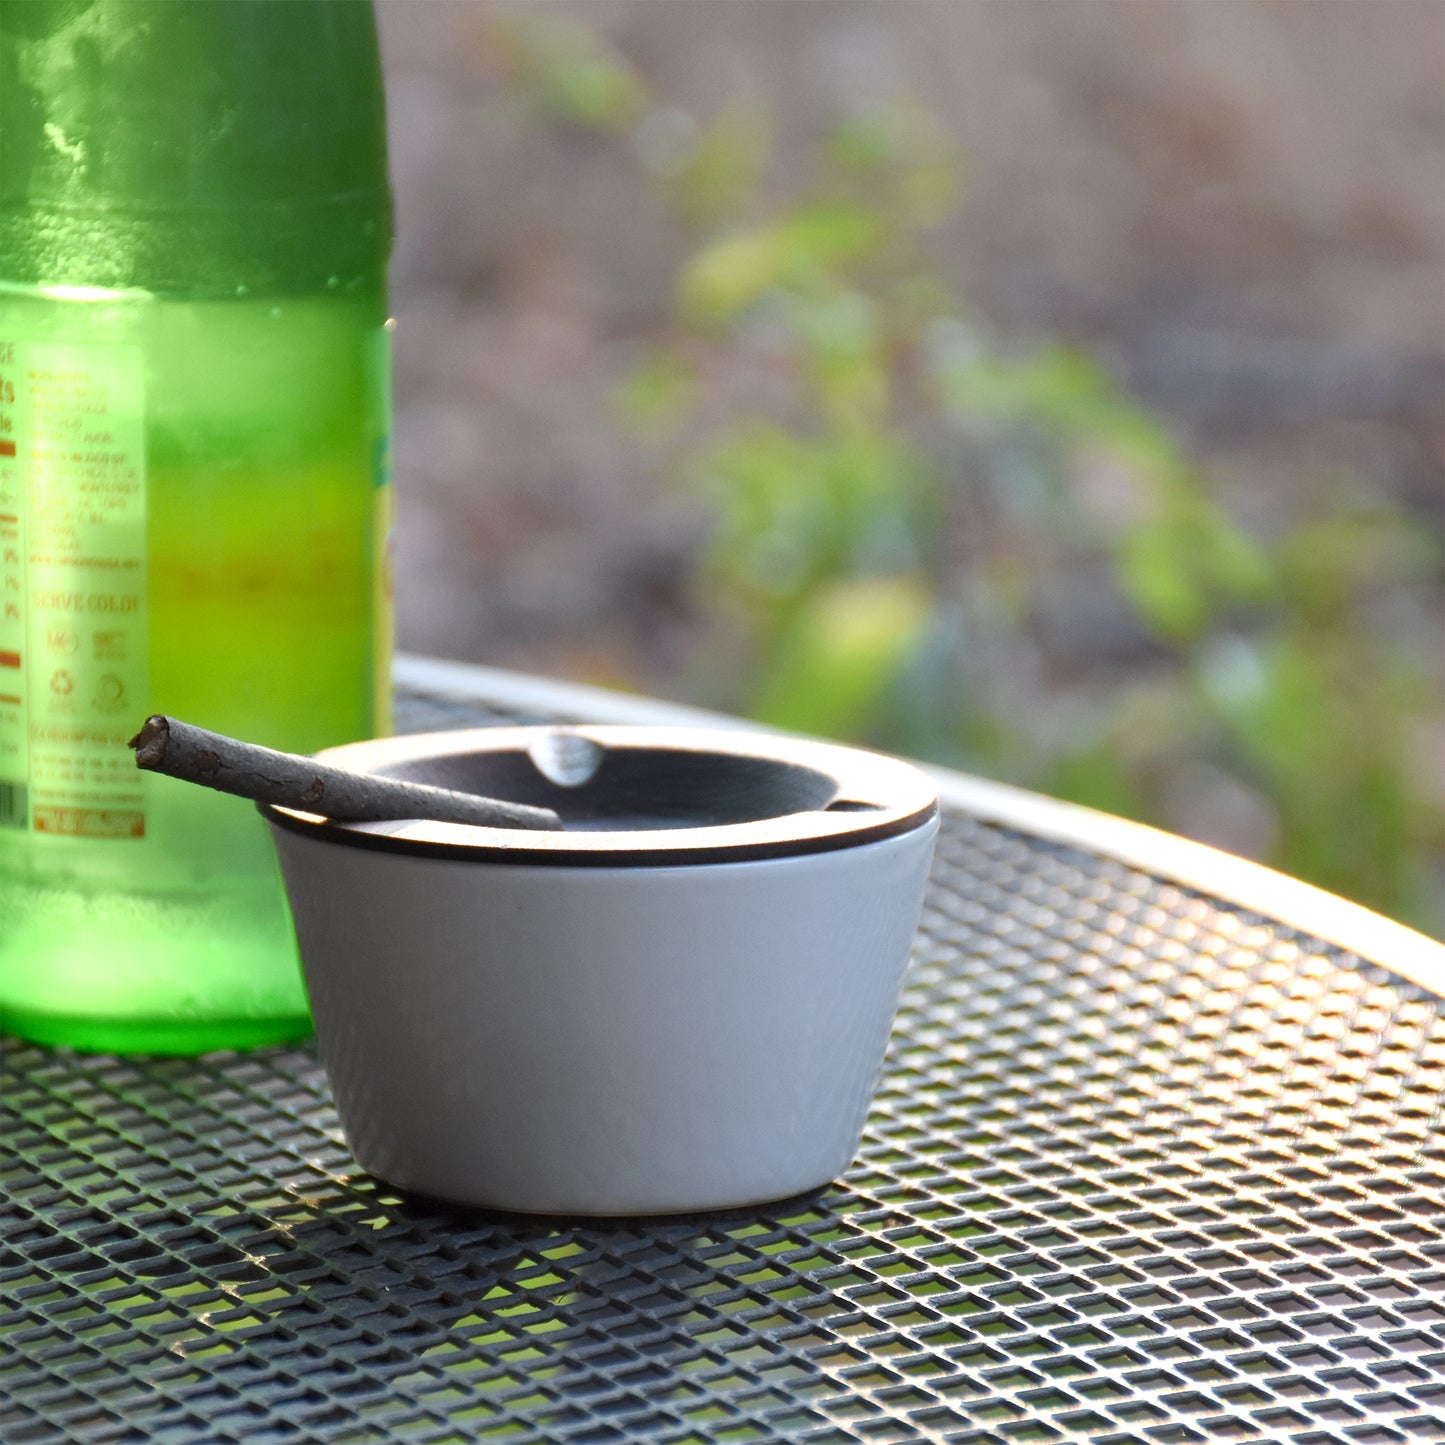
<point>73,651</point>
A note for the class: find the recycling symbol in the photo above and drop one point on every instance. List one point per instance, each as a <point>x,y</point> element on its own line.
<point>110,693</point>
<point>61,683</point>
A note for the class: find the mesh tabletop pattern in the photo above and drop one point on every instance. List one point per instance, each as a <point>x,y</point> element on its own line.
<point>1141,1168</point>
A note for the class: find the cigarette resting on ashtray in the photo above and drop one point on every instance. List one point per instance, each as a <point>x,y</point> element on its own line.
<point>289,780</point>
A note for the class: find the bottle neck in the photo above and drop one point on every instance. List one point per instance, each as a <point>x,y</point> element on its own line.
<point>191,145</point>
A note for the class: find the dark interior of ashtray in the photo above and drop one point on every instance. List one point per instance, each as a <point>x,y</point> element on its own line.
<point>595,788</point>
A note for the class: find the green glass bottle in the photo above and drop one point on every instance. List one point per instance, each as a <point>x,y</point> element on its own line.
<point>194,494</point>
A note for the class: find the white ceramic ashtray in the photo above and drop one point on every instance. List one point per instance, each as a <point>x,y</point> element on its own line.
<point>680,1002</point>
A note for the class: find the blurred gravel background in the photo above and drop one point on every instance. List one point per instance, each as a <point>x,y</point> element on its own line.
<point>1239,208</point>
<point>1242,207</point>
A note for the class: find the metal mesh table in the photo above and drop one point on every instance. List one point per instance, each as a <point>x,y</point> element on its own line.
<point>1143,1166</point>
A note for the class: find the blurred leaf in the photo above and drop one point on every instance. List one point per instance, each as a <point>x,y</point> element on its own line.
<point>1186,563</point>
<point>575,75</point>
<point>1161,585</point>
<point>736,270</point>
<point>730,274</point>
<point>846,362</point>
<point>837,326</point>
<point>1331,561</point>
<point>830,233</point>
<point>726,164</point>
<point>1325,724</point>
<point>794,512</point>
<point>865,142</point>
<point>915,171</point>
<point>1061,392</point>
<point>928,192</point>
<point>1061,389</point>
<point>1231,561</point>
<point>841,654</point>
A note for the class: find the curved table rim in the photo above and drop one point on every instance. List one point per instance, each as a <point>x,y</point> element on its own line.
<point>1235,880</point>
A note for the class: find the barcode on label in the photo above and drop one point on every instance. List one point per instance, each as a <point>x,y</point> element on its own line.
<point>13,811</point>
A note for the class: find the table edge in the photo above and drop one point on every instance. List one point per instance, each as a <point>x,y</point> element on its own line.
<point>1232,879</point>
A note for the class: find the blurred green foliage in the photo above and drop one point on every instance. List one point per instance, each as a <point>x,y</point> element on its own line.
<point>899,502</point>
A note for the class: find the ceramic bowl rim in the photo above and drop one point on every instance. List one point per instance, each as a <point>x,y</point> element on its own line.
<point>874,797</point>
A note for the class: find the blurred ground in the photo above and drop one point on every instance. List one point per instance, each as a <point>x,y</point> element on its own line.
<point>1240,208</point>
